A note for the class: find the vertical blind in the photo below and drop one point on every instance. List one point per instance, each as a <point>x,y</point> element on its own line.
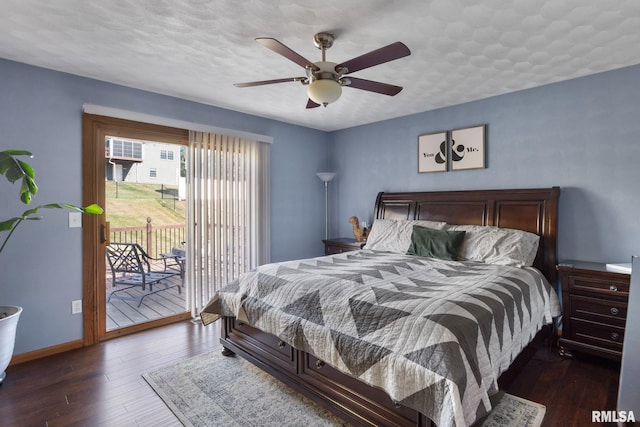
<point>227,213</point>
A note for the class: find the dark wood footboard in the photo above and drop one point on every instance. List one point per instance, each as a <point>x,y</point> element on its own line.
<point>341,394</point>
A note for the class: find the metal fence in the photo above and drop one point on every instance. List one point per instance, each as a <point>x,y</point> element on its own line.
<point>154,239</point>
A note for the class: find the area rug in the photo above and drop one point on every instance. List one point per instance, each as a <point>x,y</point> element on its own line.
<point>514,411</point>
<point>212,390</point>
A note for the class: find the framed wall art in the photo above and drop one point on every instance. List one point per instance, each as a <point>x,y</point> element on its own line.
<point>466,148</point>
<point>432,152</point>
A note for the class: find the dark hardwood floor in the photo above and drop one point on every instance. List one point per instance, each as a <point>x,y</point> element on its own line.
<point>569,388</point>
<point>102,386</point>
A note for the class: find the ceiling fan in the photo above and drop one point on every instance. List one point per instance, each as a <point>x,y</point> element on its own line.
<point>325,79</point>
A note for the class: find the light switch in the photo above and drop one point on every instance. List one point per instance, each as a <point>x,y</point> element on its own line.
<point>76,306</point>
<point>75,219</point>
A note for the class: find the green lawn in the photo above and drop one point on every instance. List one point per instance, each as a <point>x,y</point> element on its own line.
<point>130,204</point>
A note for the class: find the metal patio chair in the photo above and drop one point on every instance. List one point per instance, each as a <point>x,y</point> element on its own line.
<point>131,267</point>
<point>175,261</point>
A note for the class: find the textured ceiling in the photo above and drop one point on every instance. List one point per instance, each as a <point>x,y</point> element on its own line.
<point>197,49</point>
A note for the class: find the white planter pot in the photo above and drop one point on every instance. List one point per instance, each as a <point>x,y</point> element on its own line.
<point>7,335</point>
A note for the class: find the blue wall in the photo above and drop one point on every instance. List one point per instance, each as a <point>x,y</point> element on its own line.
<point>41,111</point>
<point>582,135</point>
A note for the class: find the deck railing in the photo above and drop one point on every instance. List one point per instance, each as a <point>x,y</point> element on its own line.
<point>154,239</point>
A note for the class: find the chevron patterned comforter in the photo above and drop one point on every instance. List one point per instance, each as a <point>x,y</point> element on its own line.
<point>434,334</point>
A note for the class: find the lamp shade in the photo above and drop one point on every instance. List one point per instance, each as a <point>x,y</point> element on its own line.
<point>324,91</point>
<point>326,176</point>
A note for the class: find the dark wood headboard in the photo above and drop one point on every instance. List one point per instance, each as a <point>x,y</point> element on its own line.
<point>534,210</point>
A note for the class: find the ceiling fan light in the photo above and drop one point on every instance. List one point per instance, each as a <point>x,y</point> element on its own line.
<point>324,91</point>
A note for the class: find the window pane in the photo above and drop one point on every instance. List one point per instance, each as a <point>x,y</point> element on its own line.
<point>137,150</point>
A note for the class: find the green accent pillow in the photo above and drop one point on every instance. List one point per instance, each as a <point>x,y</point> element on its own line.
<point>432,243</point>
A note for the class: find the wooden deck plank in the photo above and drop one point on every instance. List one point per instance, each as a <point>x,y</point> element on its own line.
<point>125,312</point>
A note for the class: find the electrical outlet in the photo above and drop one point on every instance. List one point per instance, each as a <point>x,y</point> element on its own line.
<point>76,306</point>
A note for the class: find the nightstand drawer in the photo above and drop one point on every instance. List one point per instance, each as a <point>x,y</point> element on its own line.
<point>600,310</point>
<point>612,288</point>
<point>340,245</point>
<point>331,249</point>
<point>597,334</point>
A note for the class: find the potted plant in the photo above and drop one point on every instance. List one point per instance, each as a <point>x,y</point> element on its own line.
<point>14,170</point>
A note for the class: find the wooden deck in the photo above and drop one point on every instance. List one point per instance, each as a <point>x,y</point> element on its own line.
<point>123,308</point>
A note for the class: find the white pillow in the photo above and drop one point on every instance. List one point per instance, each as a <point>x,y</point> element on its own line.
<point>495,245</point>
<point>394,235</point>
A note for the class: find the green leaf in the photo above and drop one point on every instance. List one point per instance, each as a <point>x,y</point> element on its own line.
<point>71,207</point>
<point>93,209</point>
<point>14,170</point>
<point>28,169</point>
<point>30,212</point>
<point>8,224</point>
<point>18,153</point>
<point>7,158</point>
<point>25,192</point>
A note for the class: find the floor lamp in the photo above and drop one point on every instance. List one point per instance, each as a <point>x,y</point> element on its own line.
<point>326,177</point>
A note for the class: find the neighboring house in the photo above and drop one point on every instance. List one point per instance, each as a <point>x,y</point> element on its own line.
<point>129,160</point>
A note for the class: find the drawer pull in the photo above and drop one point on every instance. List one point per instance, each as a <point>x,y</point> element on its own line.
<point>319,364</point>
<point>614,311</point>
<point>615,336</point>
<point>613,288</point>
<point>281,344</point>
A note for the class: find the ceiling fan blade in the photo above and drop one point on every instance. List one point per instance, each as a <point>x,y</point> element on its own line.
<point>388,53</point>
<point>283,50</point>
<point>268,82</point>
<point>371,86</point>
<point>311,104</point>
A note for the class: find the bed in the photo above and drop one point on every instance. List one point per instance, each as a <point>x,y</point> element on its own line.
<point>379,337</point>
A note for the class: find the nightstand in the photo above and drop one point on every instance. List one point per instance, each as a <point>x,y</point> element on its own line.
<point>594,305</point>
<point>341,244</point>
